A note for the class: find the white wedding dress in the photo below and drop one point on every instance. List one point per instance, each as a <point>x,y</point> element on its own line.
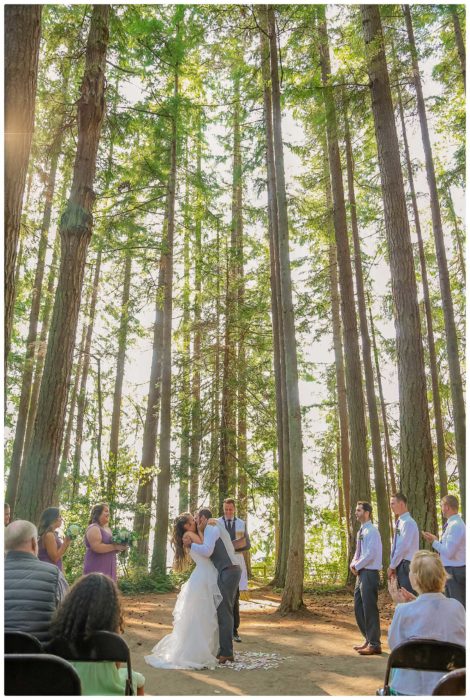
<point>194,641</point>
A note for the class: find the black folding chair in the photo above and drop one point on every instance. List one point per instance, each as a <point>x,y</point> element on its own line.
<point>453,683</point>
<point>40,674</point>
<point>424,655</point>
<point>22,643</point>
<point>100,646</point>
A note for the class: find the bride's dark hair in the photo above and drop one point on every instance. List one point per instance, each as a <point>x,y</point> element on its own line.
<point>181,560</point>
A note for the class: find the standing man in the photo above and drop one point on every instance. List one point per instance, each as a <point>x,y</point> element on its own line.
<point>451,548</point>
<point>365,565</point>
<point>405,542</point>
<point>236,528</point>
<point>6,514</point>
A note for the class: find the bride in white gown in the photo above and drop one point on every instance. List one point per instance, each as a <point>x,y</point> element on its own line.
<point>194,641</point>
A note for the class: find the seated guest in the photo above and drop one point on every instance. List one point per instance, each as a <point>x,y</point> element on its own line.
<point>429,616</point>
<point>32,588</point>
<point>93,605</point>
<point>51,547</point>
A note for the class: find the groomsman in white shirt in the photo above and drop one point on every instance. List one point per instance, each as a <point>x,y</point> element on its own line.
<point>366,564</point>
<point>405,542</point>
<point>451,548</point>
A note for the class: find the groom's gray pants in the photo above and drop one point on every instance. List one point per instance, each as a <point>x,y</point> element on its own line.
<point>365,605</point>
<point>228,581</point>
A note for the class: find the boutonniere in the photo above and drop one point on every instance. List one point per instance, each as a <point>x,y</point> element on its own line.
<point>361,537</point>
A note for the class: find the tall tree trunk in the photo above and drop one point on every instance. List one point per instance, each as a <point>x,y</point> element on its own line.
<point>359,462</point>
<point>457,233</point>
<point>339,359</point>
<point>446,295</point>
<point>75,230</point>
<point>416,461</point>
<point>149,440</point>
<point>388,446</point>
<point>292,595</point>
<point>81,401</point>
<point>28,366</point>
<point>459,42</point>
<point>163,479</point>
<point>194,461</point>
<point>22,37</point>
<point>282,421</point>
<point>117,397</point>
<point>440,442</point>
<point>215,430</point>
<point>383,509</point>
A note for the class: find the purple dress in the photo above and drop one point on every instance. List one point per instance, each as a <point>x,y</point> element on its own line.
<point>42,551</point>
<point>96,563</point>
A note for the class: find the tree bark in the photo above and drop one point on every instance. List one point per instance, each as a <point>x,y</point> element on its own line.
<point>359,462</point>
<point>292,595</point>
<point>22,38</point>
<point>440,442</point>
<point>459,42</point>
<point>163,479</point>
<point>117,396</point>
<point>27,378</point>
<point>75,230</point>
<point>416,461</point>
<point>383,508</point>
<point>446,294</point>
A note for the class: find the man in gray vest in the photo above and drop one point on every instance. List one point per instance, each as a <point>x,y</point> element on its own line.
<point>33,588</point>
<point>228,580</point>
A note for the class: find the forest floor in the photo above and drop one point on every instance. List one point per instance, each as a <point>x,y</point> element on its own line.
<point>308,653</point>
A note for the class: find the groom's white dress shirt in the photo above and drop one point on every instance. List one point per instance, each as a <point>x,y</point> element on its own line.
<point>369,548</point>
<point>211,535</point>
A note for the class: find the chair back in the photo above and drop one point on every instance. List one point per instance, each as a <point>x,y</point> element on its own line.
<point>100,646</point>
<point>40,674</point>
<point>425,655</point>
<point>452,683</point>
<point>22,643</point>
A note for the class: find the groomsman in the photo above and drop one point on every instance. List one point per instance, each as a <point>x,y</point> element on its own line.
<point>236,528</point>
<point>405,542</point>
<point>451,548</point>
<point>366,564</point>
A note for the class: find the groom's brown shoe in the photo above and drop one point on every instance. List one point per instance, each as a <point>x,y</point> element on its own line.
<point>223,659</point>
<point>370,651</point>
<point>360,646</point>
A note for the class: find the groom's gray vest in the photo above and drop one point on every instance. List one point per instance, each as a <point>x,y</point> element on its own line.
<point>219,556</point>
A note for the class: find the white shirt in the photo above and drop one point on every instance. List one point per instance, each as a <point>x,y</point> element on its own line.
<point>370,556</point>
<point>430,616</point>
<point>452,544</point>
<point>406,542</point>
<point>211,535</point>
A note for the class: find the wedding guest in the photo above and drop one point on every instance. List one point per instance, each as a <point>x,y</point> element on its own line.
<point>429,616</point>
<point>451,548</point>
<point>366,564</point>
<point>238,532</point>
<point>51,547</point>
<point>405,542</point>
<point>93,605</point>
<point>100,555</point>
<point>32,588</point>
<point>6,514</point>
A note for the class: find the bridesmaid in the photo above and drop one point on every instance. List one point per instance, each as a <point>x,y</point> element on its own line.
<point>50,547</point>
<point>100,556</point>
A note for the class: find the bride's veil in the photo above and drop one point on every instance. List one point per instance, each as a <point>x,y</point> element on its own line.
<point>225,537</point>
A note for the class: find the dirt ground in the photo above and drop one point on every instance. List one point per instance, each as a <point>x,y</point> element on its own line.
<point>315,646</point>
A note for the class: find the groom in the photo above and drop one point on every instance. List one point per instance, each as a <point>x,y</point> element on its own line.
<point>228,580</point>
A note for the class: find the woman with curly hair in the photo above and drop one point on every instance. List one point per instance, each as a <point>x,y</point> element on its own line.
<point>93,605</point>
<point>100,555</point>
<point>194,640</point>
<point>50,547</point>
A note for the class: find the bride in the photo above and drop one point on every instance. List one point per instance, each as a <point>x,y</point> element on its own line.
<point>194,641</point>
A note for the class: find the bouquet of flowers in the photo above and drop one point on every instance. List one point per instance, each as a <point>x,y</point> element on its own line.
<point>73,531</point>
<point>121,535</point>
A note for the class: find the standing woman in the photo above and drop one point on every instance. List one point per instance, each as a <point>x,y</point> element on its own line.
<point>100,556</point>
<point>50,547</point>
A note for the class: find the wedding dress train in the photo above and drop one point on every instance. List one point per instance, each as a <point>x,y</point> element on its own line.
<point>194,641</point>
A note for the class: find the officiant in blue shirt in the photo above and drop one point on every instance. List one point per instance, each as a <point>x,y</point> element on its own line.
<point>365,565</point>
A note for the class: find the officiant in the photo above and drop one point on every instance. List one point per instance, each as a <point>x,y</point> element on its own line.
<point>236,527</point>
